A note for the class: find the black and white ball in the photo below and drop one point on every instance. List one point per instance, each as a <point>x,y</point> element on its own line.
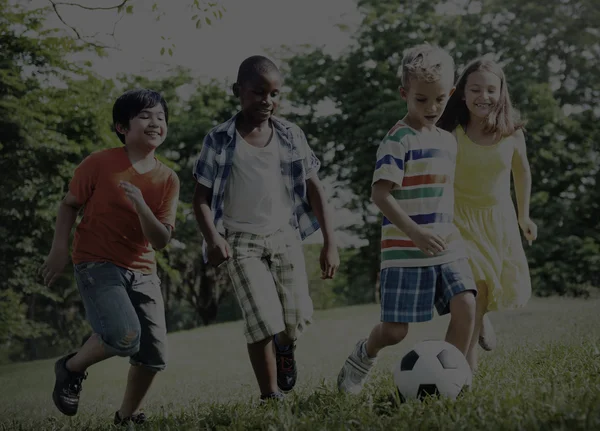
<point>432,368</point>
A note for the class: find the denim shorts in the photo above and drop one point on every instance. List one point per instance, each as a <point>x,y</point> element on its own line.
<point>126,309</point>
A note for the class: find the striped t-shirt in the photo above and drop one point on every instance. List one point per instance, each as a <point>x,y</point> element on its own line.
<point>421,166</point>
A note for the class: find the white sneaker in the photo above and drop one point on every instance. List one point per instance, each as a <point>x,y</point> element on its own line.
<point>355,370</point>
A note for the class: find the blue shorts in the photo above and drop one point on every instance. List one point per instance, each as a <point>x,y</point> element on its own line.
<point>126,310</point>
<point>409,294</point>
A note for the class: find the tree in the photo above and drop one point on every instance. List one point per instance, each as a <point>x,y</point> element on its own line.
<point>202,12</point>
<point>550,56</point>
<point>51,113</point>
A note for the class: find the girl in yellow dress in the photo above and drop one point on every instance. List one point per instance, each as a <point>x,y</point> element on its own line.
<point>491,144</point>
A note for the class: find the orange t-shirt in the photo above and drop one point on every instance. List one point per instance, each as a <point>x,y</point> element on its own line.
<point>110,230</point>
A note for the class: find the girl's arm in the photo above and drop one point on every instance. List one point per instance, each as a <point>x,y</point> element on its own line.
<point>522,179</point>
<point>521,176</point>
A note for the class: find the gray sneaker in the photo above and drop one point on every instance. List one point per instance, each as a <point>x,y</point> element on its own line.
<point>355,370</point>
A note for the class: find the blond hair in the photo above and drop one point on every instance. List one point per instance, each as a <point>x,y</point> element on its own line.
<point>426,62</point>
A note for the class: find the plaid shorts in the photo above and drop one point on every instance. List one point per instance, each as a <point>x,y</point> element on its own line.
<point>410,294</point>
<point>268,274</point>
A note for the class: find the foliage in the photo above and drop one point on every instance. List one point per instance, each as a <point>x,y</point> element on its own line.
<point>53,113</point>
<point>38,89</point>
<point>202,12</point>
<point>550,56</point>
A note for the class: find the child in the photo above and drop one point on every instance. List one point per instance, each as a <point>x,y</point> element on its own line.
<point>491,144</point>
<point>422,258</point>
<point>130,201</point>
<point>254,201</point>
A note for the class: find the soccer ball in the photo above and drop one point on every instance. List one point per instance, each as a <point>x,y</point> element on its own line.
<point>432,368</point>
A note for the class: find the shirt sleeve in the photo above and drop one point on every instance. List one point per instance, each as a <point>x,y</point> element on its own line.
<point>204,169</point>
<point>310,161</point>
<point>167,213</point>
<point>390,161</point>
<point>84,179</point>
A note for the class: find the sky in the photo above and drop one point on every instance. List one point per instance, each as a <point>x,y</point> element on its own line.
<point>248,27</point>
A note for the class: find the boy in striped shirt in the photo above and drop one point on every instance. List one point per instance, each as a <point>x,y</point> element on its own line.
<point>423,261</point>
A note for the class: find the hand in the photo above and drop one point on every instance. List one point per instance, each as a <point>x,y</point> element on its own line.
<point>54,265</point>
<point>133,194</point>
<point>218,252</point>
<point>330,261</point>
<point>428,242</point>
<point>529,229</point>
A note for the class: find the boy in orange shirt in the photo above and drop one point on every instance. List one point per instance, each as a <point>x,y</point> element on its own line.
<point>130,203</point>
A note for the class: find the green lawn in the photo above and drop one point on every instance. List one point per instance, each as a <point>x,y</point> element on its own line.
<point>545,374</point>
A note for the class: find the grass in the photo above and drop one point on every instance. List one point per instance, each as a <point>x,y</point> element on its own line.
<point>545,374</point>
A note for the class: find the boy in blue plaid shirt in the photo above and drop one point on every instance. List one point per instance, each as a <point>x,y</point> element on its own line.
<point>257,197</point>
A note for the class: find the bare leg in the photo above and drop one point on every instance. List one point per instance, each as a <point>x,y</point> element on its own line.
<point>355,370</point>
<point>283,339</point>
<point>385,334</point>
<point>487,335</point>
<point>139,380</point>
<point>479,314</point>
<point>262,357</point>
<point>462,321</point>
<point>90,353</point>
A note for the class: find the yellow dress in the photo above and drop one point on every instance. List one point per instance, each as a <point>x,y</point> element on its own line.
<point>487,220</point>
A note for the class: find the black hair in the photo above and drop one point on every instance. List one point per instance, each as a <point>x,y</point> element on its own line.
<point>255,66</point>
<point>131,103</point>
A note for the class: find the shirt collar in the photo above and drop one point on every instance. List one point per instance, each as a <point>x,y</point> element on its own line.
<point>228,127</point>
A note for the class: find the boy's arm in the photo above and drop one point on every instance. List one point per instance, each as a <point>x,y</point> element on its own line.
<point>157,233</point>
<point>67,214</point>
<point>218,249</point>
<point>166,215</point>
<point>318,202</point>
<point>81,188</point>
<point>428,242</point>
<point>382,197</point>
<point>329,259</point>
<point>317,198</point>
<point>58,257</point>
<point>204,173</point>
<point>203,213</point>
<point>389,172</point>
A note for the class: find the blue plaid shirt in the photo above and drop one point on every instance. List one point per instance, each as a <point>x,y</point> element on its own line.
<point>298,164</point>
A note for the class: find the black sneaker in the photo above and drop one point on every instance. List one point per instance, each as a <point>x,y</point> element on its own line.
<point>137,419</point>
<point>286,368</point>
<point>67,387</point>
<point>274,396</point>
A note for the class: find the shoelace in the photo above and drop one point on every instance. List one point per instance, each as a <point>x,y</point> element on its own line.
<point>74,387</point>
<point>287,364</point>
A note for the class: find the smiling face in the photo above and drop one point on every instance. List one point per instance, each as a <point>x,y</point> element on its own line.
<point>482,93</point>
<point>259,96</point>
<point>147,130</point>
